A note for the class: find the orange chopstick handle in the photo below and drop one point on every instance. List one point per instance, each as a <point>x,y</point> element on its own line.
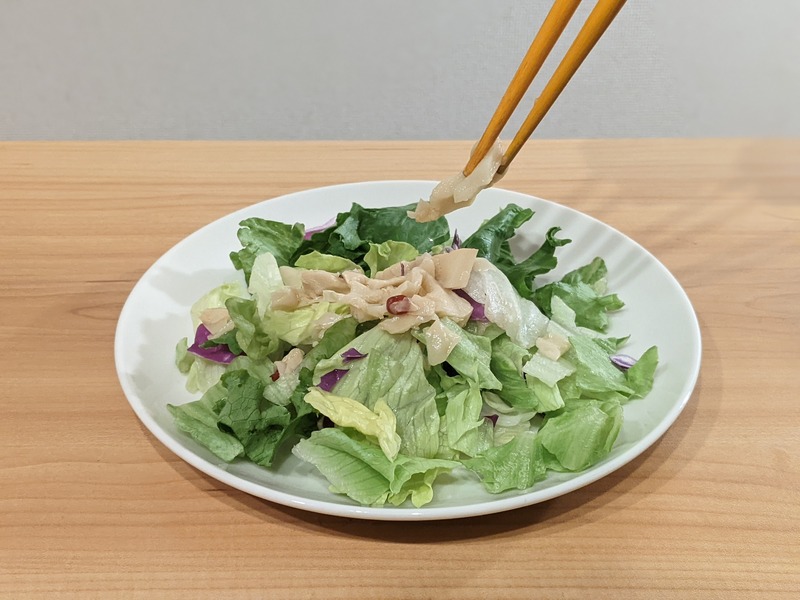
<point>552,27</point>
<point>595,26</point>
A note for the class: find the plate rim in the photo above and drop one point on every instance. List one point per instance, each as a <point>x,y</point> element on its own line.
<point>490,506</point>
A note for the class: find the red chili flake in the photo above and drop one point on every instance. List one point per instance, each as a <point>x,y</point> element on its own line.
<point>398,305</point>
<point>275,375</point>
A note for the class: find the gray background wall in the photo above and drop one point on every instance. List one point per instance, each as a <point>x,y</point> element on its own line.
<point>374,69</point>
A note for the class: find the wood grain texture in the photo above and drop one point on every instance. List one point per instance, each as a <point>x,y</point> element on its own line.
<point>91,505</point>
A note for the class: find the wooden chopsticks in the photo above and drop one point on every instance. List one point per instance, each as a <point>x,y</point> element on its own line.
<point>554,24</point>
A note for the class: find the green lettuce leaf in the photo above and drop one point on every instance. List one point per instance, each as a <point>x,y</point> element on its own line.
<point>265,279</point>
<point>509,421</point>
<point>226,339</point>
<point>507,361</point>
<point>581,436</point>
<point>355,229</point>
<point>414,477</point>
<point>200,373</point>
<point>472,356</point>
<point>260,369</point>
<point>382,256</point>
<point>353,467</point>
<point>583,290</point>
<point>183,358</point>
<point>279,391</point>
<point>491,238</point>
<point>335,340</point>
<point>252,337</point>
<point>260,235</point>
<point>549,397</point>
<point>490,331</point>
<point>594,372</point>
<point>259,426</point>
<point>539,262</point>
<point>199,420</point>
<point>547,370</point>
<point>466,430</point>
<point>216,298</point>
<point>379,422</point>
<point>358,468</point>
<point>492,242</point>
<point>304,325</point>
<point>232,419</point>
<point>518,464</point>
<point>393,370</point>
<point>336,337</point>
<point>640,376</point>
<point>325,262</point>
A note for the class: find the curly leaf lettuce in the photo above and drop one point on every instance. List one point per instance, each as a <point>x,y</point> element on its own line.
<point>492,242</point>
<point>261,235</point>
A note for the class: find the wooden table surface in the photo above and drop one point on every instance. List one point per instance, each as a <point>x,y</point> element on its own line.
<point>92,505</point>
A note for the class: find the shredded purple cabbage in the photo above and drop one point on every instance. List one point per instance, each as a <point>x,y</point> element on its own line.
<point>455,244</point>
<point>324,422</point>
<point>492,419</point>
<point>311,231</point>
<point>456,241</point>
<point>352,354</point>
<point>623,361</point>
<point>220,354</point>
<point>328,381</point>
<point>478,310</point>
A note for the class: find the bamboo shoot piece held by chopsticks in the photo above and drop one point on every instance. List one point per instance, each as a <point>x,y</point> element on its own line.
<point>460,190</point>
<point>488,162</point>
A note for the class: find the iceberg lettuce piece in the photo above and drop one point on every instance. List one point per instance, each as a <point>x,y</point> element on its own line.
<point>547,370</point>
<point>307,324</point>
<point>325,262</point>
<point>466,430</point>
<point>594,371</point>
<point>358,468</point>
<point>392,370</point>
<point>379,422</point>
<point>521,319</point>
<point>265,279</point>
<point>216,298</point>
<point>549,397</point>
<point>384,255</point>
<point>509,421</point>
<point>581,435</point>
<point>508,359</point>
<point>200,373</point>
<point>518,464</point>
<point>640,376</point>
<point>472,356</point>
<point>251,335</point>
<point>414,477</point>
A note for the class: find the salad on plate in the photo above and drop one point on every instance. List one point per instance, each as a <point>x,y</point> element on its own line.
<point>387,352</point>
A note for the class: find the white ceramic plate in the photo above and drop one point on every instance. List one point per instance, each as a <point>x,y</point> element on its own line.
<point>156,316</point>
